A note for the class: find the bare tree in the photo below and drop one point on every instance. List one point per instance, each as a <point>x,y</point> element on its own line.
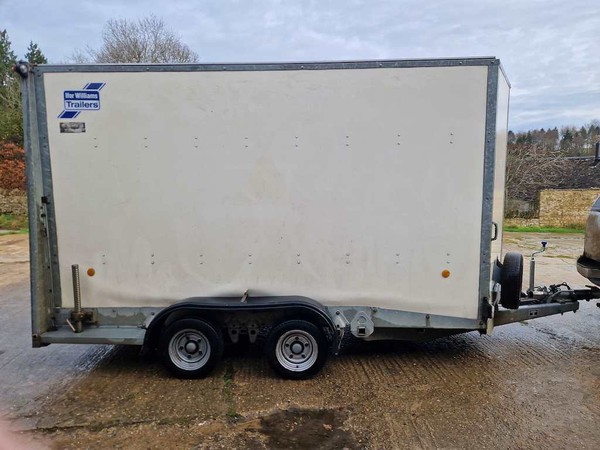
<point>529,168</point>
<point>146,41</point>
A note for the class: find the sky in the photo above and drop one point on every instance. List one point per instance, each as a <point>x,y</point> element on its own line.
<point>550,49</point>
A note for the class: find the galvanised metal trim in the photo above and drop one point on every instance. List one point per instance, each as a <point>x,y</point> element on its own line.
<point>143,316</point>
<point>391,318</point>
<point>487,206</point>
<point>106,316</point>
<point>102,335</point>
<point>30,144</point>
<point>48,190</point>
<point>127,325</point>
<point>235,67</point>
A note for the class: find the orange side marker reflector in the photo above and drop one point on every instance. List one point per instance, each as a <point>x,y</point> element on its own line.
<point>445,273</point>
<point>91,272</point>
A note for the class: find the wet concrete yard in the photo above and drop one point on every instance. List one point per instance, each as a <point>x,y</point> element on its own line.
<point>529,385</point>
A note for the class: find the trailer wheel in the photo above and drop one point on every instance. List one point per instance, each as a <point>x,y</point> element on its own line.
<point>296,349</point>
<point>511,280</point>
<point>190,348</point>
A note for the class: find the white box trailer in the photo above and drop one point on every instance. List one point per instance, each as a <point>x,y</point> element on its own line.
<point>304,201</point>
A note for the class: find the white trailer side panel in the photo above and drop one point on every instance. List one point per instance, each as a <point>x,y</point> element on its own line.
<point>353,187</point>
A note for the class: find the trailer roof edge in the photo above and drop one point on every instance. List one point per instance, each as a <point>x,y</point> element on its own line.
<point>249,66</point>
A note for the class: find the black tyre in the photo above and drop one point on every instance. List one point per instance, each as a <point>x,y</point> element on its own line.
<point>511,280</point>
<point>296,349</point>
<point>190,348</point>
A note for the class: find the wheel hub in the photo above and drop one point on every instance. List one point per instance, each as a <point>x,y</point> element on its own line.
<point>191,347</point>
<point>296,350</point>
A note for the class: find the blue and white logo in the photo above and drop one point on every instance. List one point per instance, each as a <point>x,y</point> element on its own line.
<point>86,99</point>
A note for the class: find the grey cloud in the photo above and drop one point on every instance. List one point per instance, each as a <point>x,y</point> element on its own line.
<point>548,47</point>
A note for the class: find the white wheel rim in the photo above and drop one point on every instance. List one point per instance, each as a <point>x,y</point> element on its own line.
<point>189,349</point>
<point>296,350</point>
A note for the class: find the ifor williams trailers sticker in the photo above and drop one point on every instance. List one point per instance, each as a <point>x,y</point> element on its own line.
<point>86,99</point>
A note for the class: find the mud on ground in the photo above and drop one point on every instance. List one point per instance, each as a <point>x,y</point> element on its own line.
<point>529,385</point>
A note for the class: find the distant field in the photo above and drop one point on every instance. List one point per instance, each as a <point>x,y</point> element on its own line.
<point>544,229</point>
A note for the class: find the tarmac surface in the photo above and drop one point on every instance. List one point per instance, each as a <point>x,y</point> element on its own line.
<point>533,384</point>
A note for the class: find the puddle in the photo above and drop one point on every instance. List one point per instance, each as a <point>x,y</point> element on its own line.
<point>307,428</point>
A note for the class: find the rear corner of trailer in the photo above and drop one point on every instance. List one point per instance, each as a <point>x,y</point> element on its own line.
<point>497,119</point>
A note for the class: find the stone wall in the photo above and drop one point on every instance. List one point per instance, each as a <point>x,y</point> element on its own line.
<point>521,222</point>
<point>13,202</point>
<point>566,207</point>
<point>522,209</point>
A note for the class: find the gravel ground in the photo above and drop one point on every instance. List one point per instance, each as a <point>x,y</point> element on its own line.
<point>529,385</point>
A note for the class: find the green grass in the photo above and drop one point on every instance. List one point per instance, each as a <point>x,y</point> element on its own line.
<point>574,229</point>
<point>17,224</point>
<point>228,396</point>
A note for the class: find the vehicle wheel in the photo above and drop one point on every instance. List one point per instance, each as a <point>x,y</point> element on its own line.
<point>511,280</point>
<point>190,348</point>
<point>296,349</point>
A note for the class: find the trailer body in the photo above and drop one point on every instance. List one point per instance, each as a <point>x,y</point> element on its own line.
<point>369,194</point>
